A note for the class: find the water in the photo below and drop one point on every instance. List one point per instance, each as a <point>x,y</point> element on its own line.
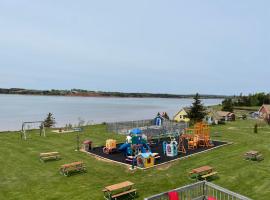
<point>14,109</point>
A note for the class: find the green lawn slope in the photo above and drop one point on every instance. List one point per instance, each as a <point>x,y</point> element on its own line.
<point>23,176</point>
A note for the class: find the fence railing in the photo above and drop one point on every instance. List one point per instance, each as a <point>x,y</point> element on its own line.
<point>200,191</point>
<point>147,127</point>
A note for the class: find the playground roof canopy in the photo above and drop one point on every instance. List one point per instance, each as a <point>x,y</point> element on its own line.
<point>136,131</point>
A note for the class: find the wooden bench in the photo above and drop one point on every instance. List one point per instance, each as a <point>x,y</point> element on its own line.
<point>129,192</point>
<point>67,169</point>
<point>209,175</point>
<point>49,156</point>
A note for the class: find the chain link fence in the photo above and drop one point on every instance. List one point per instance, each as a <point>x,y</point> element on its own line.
<point>148,127</point>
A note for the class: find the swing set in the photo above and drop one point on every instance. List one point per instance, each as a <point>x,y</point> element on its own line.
<point>26,126</point>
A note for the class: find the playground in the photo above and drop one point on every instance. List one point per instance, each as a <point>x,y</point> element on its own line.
<point>121,158</point>
<point>145,151</point>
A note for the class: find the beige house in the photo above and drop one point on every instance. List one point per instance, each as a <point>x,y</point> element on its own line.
<point>226,116</point>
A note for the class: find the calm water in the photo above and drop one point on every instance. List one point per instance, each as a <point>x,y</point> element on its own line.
<point>14,109</point>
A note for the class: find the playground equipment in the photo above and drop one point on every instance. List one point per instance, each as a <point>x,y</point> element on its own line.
<point>110,146</point>
<point>137,150</point>
<point>202,132</point>
<point>193,142</point>
<point>181,144</point>
<point>27,125</point>
<point>135,144</point>
<point>158,120</point>
<point>87,145</point>
<point>170,149</point>
<point>145,160</point>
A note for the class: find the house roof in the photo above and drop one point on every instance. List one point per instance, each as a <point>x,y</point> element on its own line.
<point>184,110</point>
<point>146,155</point>
<point>267,108</point>
<point>224,113</point>
<point>212,113</point>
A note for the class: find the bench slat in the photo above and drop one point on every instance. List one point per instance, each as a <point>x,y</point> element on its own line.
<point>49,154</point>
<point>207,175</point>
<point>124,193</point>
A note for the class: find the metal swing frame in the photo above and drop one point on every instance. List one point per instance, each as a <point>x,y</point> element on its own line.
<point>41,129</point>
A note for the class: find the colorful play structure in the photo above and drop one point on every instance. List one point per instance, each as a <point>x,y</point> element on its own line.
<point>137,150</point>
<point>110,146</point>
<point>170,149</point>
<point>145,160</point>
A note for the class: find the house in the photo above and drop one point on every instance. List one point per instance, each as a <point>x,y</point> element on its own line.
<point>264,112</point>
<point>181,116</point>
<point>212,117</point>
<point>226,116</point>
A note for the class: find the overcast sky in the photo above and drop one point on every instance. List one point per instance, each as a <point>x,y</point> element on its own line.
<point>210,46</point>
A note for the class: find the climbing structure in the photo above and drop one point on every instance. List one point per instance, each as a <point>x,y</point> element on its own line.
<point>201,135</point>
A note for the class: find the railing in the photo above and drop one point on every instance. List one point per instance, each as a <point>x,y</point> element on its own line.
<point>147,127</point>
<point>200,191</point>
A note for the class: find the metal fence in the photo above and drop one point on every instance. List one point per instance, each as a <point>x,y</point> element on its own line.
<point>147,126</point>
<point>201,191</point>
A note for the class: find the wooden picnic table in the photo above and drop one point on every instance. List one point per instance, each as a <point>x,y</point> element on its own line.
<point>253,153</point>
<point>203,170</point>
<point>119,189</point>
<point>119,186</point>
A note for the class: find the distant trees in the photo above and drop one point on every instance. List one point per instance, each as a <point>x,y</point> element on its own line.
<point>227,105</point>
<point>197,111</point>
<point>256,99</point>
<point>49,121</point>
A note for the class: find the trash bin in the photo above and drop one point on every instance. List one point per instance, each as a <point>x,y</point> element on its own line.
<point>87,144</point>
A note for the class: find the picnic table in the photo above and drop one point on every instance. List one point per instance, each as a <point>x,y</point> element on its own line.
<point>253,155</point>
<point>204,171</point>
<point>67,169</point>
<point>120,189</point>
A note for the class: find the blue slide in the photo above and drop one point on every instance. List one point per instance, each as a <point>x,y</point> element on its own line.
<point>124,146</point>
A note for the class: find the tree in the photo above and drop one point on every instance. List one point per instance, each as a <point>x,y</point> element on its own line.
<point>227,105</point>
<point>197,111</point>
<point>49,121</point>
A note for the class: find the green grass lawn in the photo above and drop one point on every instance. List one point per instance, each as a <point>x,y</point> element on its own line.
<point>23,176</point>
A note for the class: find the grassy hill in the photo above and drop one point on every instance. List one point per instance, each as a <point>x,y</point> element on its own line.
<point>23,176</point>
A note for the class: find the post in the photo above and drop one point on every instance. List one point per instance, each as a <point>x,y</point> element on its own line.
<point>256,128</point>
<point>78,141</point>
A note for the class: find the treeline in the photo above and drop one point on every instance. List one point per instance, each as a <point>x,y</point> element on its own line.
<point>80,92</point>
<point>257,99</point>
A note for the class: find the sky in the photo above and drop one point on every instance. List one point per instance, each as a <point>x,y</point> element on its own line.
<point>176,46</point>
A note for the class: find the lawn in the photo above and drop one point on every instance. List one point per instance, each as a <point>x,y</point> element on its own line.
<point>23,176</point>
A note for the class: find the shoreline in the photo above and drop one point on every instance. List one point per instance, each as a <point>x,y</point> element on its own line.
<point>108,96</point>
